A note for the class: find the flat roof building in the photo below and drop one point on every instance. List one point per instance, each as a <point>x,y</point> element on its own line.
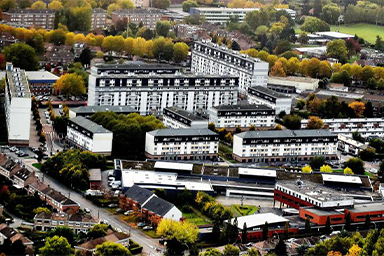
<point>17,106</point>
<point>257,221</point>
<point>265,96</point>
<point>176,118</point>
<point>283,84</point>
<point>284,145</point>
<point>182,144</point>
<point>243,116</point>
<point>88,111</point>
<point>331,35</point>
<point>88,135</point>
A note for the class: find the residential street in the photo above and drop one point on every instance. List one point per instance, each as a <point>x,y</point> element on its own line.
<point>149,244</point>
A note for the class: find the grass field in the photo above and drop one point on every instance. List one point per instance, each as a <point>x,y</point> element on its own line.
<point>366,31</point>
<point>196,217</point>
<point>244,210</point>
<point>37,165</point>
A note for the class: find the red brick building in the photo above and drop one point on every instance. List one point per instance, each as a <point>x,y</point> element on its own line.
<point>360,211</point>
<point>94,179</point>
<point>320,217</point>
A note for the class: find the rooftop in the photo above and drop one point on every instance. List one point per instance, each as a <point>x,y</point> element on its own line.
<point>320,212</point>
<point>224,9</point>
<point>136,65</point>
<point>257,172</point>
<point>17,82</point>
<point>285,134</point>
<point>182,132</point>
<point>249,107</point>
<point>177,75</point>
<point>140,10</point>
<point>346,95</point>
<point>267,91</point>
<point>94,175</point>
<point>41,75</point>
<point>341,178</point>
<point>138,194</point>
<point>94,109</point>
<point>334,34</point>
<point>186,114</point>
<point>31,11</point>
<point>89,125</point>
<point>294,79</point>
<point>173,166</point>
<point>158,206</point>
<point>313,190</point>
<point>259,219</point>
<point>368,207</point>
<point>114,237</point>
<point>311,49</point>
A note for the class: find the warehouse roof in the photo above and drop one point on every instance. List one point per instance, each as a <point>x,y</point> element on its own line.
<point>267,91</point>
<point>368,207</point>
<point>257,172</point>
<point>341,178</point>
<point>173,166</point>
<point>256,220</point>
<point>94,109</point>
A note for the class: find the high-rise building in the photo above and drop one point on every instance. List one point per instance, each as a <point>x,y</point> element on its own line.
<point>17,105</point>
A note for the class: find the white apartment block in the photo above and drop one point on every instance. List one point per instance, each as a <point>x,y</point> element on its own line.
<point>90,136</point>
<point>243,116</point>
<point>220,15</point>
<point>365,126</point>
<point>17,105</point>
<point>210,58</point>
<point>284,145</point>
<point>264,96</point>
<point>149,91</point>
<point>176,118</point>
<point>182,144</point>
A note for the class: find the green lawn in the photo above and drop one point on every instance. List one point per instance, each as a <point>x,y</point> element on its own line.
<point>244,210</point>
<point>196,217</point>
<point>37,165</point>
<point>366,31</point>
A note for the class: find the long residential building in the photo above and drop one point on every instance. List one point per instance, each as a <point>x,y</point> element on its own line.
<point>176,118</point>
<point>243,116</point>
<point>88,135</point>
<point>17,106</point>
<point>366,127</point>
<point>152,91</point>
<point>276,100</point>
<point>220,15</point>
<point>147,16</point>
<point>211,58</point>
<point>182,144</point>
<point>36,18</point>
<point>99,19</point>
<point>284,145</point>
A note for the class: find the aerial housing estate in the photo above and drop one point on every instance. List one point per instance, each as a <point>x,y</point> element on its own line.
<point>17,105</point>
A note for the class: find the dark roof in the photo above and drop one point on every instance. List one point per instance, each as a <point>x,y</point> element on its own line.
<point>158,206</point>
<point>23,174</point>
<point>285,134</point>
<point>138,194</point>
<point>186,114</point>
<point>94,109</point>
<point>114,237</point>
<point>267,91</point>
<point>31,11</point>
<point>182,132</point>
<point>136,65</point>
<point>250,107</point>
<point>89,125</point>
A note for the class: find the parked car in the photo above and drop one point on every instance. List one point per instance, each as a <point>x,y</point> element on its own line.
<point>147,228</point>
<point>112,205</point>
<point>128,212</point>
<point>117,193</point>
<point>22,154</point>
<point>141,224</point>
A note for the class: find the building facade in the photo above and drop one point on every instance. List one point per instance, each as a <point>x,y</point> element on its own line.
<point>289,83</point>
<point>150,92</point>
<point>366,127</point>
<point>210,58</point>
<point>99,19</point>
<point>17,105</point>
<point>284,145</point>
<point>147,16</point>
<point>41,82</point>
<point>176,118</point>
<point>262,95</point>
<point>88,135</point>
<point>37,18</point>
<point>243,116</point>
<point>182,144</point>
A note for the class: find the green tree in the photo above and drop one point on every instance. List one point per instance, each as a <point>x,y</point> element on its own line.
<point>211,126</point>
<point>244,233</point>
<point>315,123</point>
<point>162,28</point>
<point>316,162</point>
<point>180,52</point>
<point>21,55</point>
<point>307,226</point>
<point>161,4</point>
<point>98,230</point>
<point>379,45</point>
<point>356,164</point>
<point>111,248</point>
<point>313,24</point>
<point>348,171</point>
<point>292,122</point>
<point>253,252</point>
<point>281,248</point>
<point>38,5</point>
<point>265,231</point>
<point>211,252</point>
<point>41,209</point>
<point>370,241</point>
<point>187,5</point>
<point>56,246</point>
<point>331,13</point>
<point>231,250</point>
<point>282,46</point>
<point>326,169</point>
<point>57,37</point>
<point>63,232</point>
<point>357,136</point>
<point>80,19</point>
<point>70,84</point>
<point>126,4</point>
<point>7,5</point>
<point>17,248</point>
<point>337,49</point>
<point>25,4</point>
<point>306,169</point>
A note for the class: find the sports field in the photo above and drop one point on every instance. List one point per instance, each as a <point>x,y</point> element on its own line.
<point>366,31</point>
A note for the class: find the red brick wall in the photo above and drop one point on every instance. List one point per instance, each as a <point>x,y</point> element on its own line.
<point>321,220</point>
<point>289,200</point>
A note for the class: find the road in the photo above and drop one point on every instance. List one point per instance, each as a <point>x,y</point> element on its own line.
<point>149,244</point>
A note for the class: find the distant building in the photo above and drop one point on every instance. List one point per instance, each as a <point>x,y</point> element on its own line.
<point>78,222</point>
<point>292,83</point>
<point>7,38</point>
<point>284,145</point>
<point>337,87</point>
<point>366,127</point>
<point>349,145</point>
<point>142,3</point>
<point>36,18</point>
<point>23,178</point>
<point>17,105</point>
<point>58,55</point>
<point>8,233</point>
<point>263,96</point>
<point>88,111</point>
<point>331,35</point>
<point>182,144</point>
<point>147,16</point>
<point>321,50</point>
<point>176,118</point>
<point>210,58</point>
<point>243,116</point>
<point>41,82</point>
<point>99,19</point>
<point>88,135</point>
